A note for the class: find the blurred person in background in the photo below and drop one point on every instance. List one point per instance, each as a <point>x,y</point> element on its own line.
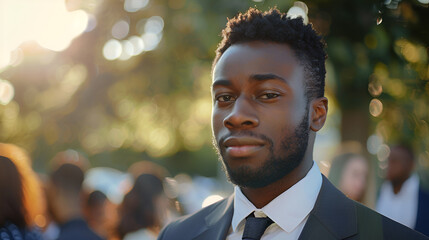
<point>64,193</point>
<point>349,173</point>
<point>15,221</point>
<point>144,209</point>
<point>401,197</point>
<point>141,167</point>
<point>70,156</point>
<point>21,199</point>
<point>171,188</point>
<point>51,230</point>
<point>34,200</point>
<point>99,214</point>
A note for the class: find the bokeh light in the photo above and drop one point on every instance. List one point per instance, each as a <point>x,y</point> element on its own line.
<point>92,23</point>
<point>375,107</point>
<point>7,92</point>
<point>154,25</point>
<point>396,87</point>
<point>110,181</point>
<point>299,9</point>
<point>57,34</point>
<point>373,144</point>
<point>370,41</point>
<point>211,199</point>
<point>412,52</point>
<point>375,88</point>
<point>383,152</point>
<point>151,34</point>
<point>127,50</point>
<point>135,5</point>
<point>49,23</point>
<point>138,45</point>
<point>112,49</point>
<point>151,41</point>
<point>121,29</point>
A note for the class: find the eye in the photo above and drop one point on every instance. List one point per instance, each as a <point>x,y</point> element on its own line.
<point>269,95</point>
<point>225,98</point>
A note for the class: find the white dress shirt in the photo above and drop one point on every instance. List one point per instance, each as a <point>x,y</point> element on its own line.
<point>141,234</point>
<point>401,207</point>
<point>289,210</point>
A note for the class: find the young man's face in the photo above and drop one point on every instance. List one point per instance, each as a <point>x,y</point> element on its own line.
<point>260,112</point>
<point>400,165</point>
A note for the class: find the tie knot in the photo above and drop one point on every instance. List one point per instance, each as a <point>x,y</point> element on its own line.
<point>255,227</point>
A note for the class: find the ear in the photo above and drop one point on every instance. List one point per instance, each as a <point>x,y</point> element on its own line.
<point>319,111</point>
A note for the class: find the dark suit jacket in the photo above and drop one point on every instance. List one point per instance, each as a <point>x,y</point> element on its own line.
<point>334,216</point>
<point>77,229</point>
<point>422,221</point>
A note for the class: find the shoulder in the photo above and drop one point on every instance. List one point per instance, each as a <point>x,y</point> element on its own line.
<point>424,194</point>
<point>345,218</point>
<point>180,229</point>
<point>371,223</point>
<point>142,234</point>
<point>77,229</point>
<point>10,231</point>
<point>422,222</point>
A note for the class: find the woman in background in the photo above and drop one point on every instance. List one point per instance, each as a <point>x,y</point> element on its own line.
<point>143,209</point>
<point>349,173</point>
<point>16,220</point>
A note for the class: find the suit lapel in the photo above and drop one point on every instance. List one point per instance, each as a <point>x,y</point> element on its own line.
<point>218,222</point>
<point>333,216</point>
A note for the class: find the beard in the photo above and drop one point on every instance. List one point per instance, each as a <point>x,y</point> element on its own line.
<point>277,165</point>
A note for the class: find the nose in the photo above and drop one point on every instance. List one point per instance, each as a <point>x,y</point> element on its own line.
<point>242,115</point>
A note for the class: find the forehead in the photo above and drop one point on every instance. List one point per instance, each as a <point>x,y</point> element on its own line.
<point>257,57</point>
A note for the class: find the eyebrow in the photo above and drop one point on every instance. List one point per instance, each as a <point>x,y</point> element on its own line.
<point>267,76</point>
<point>221,82</point>
<point>253,77</point>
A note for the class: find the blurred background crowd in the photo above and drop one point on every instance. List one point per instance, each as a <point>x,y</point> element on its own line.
<point>109,102</point>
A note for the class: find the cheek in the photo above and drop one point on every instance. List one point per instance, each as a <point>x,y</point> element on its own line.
<point>281,125</point>
<point>217,122</point>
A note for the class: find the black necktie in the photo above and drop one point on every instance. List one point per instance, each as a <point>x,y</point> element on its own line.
<point>255,227</point>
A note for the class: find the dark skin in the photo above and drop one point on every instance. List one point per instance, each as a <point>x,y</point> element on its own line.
<point>58,198</point>
<point>400,167</point>
<point>258,89</point>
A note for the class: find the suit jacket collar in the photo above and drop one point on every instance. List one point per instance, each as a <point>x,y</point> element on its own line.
<point>333,217</point>
<point>218,222</point>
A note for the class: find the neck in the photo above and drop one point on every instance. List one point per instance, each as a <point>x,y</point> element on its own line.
<point>397,184</point>
<point>262,196</point>
<point>397,188</point>
<point>155,230</point>
<point>70,212</point>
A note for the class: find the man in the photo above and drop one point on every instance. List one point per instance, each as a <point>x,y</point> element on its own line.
<point>268,104</point>
<point>97,211</point>
<point>401,197</point>
<point>64,198</point>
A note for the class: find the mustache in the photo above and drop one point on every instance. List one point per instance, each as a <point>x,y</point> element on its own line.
<point>243,133</point>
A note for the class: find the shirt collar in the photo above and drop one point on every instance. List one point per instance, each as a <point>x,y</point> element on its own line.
<point>288,209</point>
<point>409,187</point>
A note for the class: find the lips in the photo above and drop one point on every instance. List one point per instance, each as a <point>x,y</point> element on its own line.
<point>242,146</point>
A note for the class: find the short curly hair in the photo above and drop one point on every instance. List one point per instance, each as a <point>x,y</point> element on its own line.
<point>275,26</point>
